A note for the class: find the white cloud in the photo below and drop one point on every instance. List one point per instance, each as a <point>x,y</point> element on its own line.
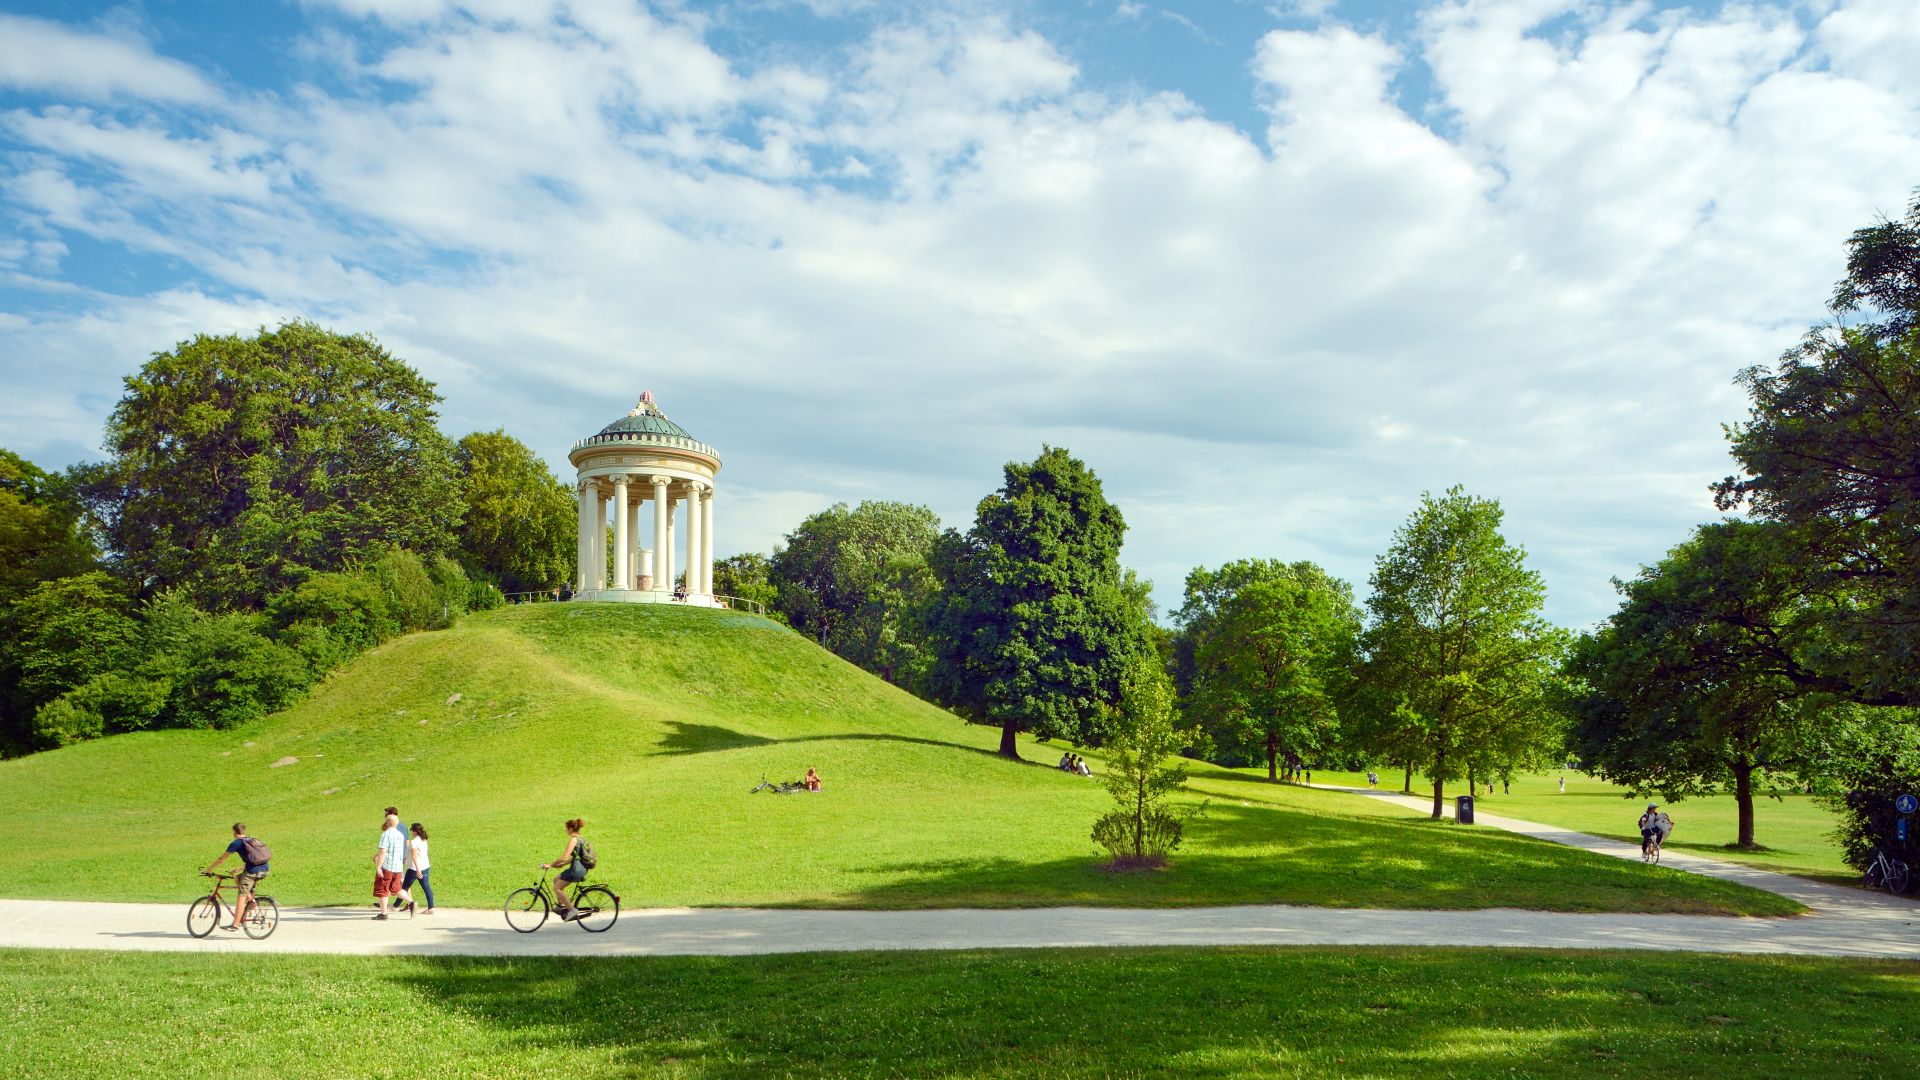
<point>885,272</point>
<point>47,57</point>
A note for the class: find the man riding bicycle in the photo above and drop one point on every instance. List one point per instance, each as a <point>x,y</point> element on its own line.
<point>248,848</point>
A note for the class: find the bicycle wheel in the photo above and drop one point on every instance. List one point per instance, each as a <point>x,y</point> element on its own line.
<point>203,915</point>
<point>1876,876</point>
<point>598,908</point>
<point>526,910</point>
<point>262,918</point>
<point>1898,876</point>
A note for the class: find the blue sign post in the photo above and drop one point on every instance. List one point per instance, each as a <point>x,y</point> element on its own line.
<point>1906,804</point>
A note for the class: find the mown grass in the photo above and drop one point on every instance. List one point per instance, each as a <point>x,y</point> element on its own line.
<point>652,723</point>
<point>1243,1012</point>
<point>1794,832</point>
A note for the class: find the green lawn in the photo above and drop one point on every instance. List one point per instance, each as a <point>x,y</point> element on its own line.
<point>652,723</point>
<point>1432,1013</point>
<point>1794,832</point>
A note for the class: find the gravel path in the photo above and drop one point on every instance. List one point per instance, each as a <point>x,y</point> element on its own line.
<point>1842,922</point>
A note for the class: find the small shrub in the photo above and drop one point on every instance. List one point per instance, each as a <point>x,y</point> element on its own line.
<point>62,722</point>
<point>1869,782</point>
<point>224,672</point>
<point>1158,834</point>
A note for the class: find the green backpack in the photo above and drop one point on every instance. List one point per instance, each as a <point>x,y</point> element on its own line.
<point>584,852</point>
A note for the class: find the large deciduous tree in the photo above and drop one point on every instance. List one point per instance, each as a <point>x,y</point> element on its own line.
<point>1459,652</point>
<point>1682,691</point>
<point>520,522</point>
<point>1036,624</point>
<point>41,540</point>
<point>1270,645</point>
<point>1828,452</point>
<point>241,463</point>
<point>854,580</point>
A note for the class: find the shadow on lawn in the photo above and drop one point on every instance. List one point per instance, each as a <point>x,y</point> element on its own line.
<point>708,738</point>
<point>1168,1012</point>
<point>1272,855</point>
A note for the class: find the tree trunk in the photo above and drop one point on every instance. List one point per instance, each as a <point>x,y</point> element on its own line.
<point>1273,757</point>
<point>1743,798</point>
<point>1008,748</point>
<point>1439,769</point>
<point>1406,786</point>
<point>1472,787</point>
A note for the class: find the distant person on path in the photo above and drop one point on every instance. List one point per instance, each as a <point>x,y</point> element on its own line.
<point>574,859</point>
<point>417,867</point>
<point>1563,785</point>
<point>1373,779</point>
<point>812,780</point>
<point>251,872</point>
<point>1505,789</point>
<point>1653,822</point>
<point>389,863</point>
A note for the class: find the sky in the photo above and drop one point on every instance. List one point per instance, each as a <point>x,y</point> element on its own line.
<point>1273,270</point>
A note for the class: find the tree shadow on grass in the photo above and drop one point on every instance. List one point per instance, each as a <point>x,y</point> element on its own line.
<point>1186,1012</point>
<point>705,739</point>
<point>1275,855</point>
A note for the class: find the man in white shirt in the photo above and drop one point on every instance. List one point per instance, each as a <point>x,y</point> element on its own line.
<point>389,864</point>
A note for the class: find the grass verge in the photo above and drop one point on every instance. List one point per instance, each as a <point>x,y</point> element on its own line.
<point>1136,1012</point>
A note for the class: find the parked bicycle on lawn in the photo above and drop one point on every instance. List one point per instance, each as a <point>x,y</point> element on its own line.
<point>595,907</point>
<point>1889,873</point>
<point>206,913</point>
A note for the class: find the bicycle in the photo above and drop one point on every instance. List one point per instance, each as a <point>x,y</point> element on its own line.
<point>785,788</point>
<point>205,914</point>
<point>595,907</point>
<point>1889,873</point>
<point>1650,849</point>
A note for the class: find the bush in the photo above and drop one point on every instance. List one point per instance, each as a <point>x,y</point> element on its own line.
<point>349,611</point>
<point>1159,834</point>
<point>62,721</point>
<point>484,596</point>
<point>1871,780</point>
<point>224,672</point>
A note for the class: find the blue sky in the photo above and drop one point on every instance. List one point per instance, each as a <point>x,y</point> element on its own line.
<point>1273,269</point>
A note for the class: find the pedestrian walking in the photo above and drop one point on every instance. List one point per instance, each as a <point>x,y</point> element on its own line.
<point>389,863</point>
<point>417,867</point>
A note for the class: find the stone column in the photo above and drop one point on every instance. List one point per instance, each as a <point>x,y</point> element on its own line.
<point>622,548</point>
<point>599,539</point>
<point>694,583</point>
<point>583,537</point>
<point>660,582</point>
<point>706,541</point>
<point>668,564</point>
<point>634,499</point>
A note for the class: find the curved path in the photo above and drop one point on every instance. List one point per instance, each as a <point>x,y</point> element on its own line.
<point>1842,922</point>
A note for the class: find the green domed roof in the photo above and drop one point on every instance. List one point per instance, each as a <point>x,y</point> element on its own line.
<point>645,423</point>
<point>646,419</point>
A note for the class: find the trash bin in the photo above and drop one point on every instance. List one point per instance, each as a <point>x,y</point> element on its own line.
<point>1463,809</point>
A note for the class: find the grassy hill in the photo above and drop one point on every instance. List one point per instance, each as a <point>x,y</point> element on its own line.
<point>652,723</point>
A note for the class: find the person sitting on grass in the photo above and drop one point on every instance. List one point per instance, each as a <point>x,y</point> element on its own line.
<point>1080,766</point>
<point>250,871</point>
<point>812,780</point>
<point>1066,761</point>
<point>576,867</point>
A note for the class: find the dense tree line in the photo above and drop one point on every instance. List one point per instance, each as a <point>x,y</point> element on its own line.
<point>271,505</point>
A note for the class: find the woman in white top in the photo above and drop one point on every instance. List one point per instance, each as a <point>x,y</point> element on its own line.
<point>417,866</point>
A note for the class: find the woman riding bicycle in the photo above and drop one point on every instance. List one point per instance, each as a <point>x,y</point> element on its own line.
<point>575,863</point>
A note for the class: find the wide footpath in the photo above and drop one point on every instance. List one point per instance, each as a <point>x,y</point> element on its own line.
<point>1840,922</point>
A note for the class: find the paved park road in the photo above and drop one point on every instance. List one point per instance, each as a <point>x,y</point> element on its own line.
<point>1843,922</point>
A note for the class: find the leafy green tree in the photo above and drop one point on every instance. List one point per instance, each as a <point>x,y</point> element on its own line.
<point>520,520</point>
<point>71,629</point>
<point>852,580</point>
<point>1679,691</point>
<point>1457,646</point>
<point>1035,623</point>
<point>1142,832</point>
<point>747,576</point>
<point>241,464</point>
<point>1828,454</point>
<point>42,539</point>
<point>1269,657</point>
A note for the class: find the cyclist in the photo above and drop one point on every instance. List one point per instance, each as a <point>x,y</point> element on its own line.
<point>576,867</point>
<point>250,872</point>
<point>1654,827</point>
